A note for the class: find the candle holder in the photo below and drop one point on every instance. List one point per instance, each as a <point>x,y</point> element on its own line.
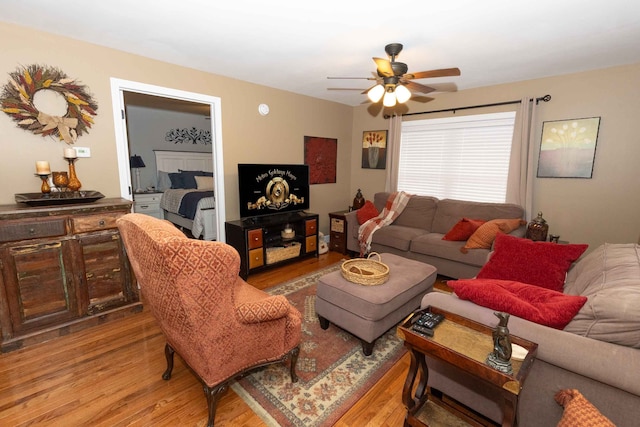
<point>74,183</point>
<point>45,188</point>
<point>60,180</point>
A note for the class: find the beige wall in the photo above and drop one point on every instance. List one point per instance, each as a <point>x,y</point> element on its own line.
<point>602,209</point>
<point>247,136</point>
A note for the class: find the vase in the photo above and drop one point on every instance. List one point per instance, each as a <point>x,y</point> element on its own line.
<point>537,229</point>
<point>74,183</point>
<point>374,152</point>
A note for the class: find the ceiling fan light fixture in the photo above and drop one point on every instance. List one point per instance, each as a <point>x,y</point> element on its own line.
<point>402,94</point>
<point>389,99</point>
<point>375,93</point>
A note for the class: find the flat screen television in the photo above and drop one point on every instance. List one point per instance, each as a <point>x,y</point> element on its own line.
<point>267,189</point>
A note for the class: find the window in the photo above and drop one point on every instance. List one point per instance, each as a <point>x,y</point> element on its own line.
<point>465,158</point>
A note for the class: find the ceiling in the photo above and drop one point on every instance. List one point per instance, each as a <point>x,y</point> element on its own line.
<point>296,45</point>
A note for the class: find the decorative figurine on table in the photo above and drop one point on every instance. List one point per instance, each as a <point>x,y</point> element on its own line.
<point>500,357</point>
<point>358,201</point>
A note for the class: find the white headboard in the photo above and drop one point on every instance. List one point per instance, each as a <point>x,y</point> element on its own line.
<point>171,161</point>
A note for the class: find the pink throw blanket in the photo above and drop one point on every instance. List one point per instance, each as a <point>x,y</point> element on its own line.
<point>392,209</point>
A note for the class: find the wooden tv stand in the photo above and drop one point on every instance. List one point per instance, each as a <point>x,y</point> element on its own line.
<point>261,245</point>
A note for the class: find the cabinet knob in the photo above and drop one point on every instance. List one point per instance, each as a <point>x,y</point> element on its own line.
<point>32,231</point>
<point>102,223</point>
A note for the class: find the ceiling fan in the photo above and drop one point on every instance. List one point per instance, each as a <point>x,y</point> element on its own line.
<point>393,83</point>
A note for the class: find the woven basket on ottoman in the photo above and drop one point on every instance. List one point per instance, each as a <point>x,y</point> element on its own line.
<point>369,311</point>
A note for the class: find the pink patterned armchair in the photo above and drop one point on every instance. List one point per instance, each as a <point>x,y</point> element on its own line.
<point>219,325</point>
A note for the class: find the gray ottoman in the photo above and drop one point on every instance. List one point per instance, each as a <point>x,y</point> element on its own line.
<point>369,311</point>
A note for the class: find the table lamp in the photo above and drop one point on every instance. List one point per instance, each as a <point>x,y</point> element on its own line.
<point>136,162</point>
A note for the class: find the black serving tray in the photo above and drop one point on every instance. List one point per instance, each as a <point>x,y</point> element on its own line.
<point>55,198</point>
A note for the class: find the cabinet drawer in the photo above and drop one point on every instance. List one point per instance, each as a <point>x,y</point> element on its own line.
<point>311,225</point>
<point>87,223</point>
<point>338,238</point>
<point>147,198</point>
<point>13,231</point>
<point>141,207</point>
<point>311,244</point>
<point>256,258</point>
<point>254,238</point>
<point>337,225</point>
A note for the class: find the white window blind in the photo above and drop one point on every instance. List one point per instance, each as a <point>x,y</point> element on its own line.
<point>465,158</point>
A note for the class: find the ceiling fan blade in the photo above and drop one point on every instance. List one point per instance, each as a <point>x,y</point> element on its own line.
<point>345,88</point>
<point>369,88</point>
<point>444,87</point>
<point>384,67</point>
<point>352,78</point>
<point>443,72</point>
<point>417,87</point>
<point>422,99</point>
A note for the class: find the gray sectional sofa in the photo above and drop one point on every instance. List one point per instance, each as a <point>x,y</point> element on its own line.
<point>417,232</point>
<point>597,353</point>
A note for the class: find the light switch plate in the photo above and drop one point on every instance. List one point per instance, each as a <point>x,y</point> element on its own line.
<point>83,151</point>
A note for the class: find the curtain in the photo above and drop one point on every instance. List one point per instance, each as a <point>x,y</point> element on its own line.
<point>520,179</point>
<point>393,153</point>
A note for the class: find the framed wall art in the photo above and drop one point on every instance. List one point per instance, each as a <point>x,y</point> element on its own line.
<point>374,149</point>
<point>321,154</point>
<point>568,148</point>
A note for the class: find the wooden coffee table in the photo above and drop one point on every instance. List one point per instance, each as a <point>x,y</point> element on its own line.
<point>463,344</point>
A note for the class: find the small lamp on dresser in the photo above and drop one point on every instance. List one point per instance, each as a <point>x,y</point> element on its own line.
<point>136,162</point>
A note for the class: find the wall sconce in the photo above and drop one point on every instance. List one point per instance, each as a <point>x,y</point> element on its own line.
<point>136,162</point>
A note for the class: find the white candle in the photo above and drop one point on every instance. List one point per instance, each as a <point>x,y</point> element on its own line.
<point>42,167</point>
<point>70,153</point>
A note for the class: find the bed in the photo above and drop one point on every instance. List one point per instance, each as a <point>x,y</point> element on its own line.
<point>188,208</point>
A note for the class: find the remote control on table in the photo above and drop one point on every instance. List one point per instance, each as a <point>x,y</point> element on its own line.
<point>422,330</point>
<point>429,320</point>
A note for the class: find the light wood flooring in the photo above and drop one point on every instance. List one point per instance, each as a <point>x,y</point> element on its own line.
<point>110,375</point>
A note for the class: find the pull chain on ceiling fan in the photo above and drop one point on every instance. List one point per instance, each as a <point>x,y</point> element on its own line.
<point>394,84</point>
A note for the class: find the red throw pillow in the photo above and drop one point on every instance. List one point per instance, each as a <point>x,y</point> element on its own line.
<point>533,303</point>
<point>463,229</point>
<point>366,212</point>
<point>543,264</point>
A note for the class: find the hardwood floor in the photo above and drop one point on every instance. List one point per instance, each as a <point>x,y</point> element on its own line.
<point>110,375</point>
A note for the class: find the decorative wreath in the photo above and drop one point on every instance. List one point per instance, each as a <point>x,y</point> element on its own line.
<point>17,101</point>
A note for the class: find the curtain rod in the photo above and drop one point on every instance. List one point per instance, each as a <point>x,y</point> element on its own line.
<point>545,98</point>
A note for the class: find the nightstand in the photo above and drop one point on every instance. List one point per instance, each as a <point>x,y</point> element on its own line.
<point>148,203</point>
<point>338,228</point>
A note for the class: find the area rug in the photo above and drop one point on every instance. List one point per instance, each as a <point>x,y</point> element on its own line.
<point>333,373</point>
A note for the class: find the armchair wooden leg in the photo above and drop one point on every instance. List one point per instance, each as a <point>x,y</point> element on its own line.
<point>213,395</point>
<point>168,354</point>
<point>294,361</point>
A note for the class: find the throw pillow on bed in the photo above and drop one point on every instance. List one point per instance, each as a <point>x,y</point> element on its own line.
<point>463,229</point>
<point>176,180</point>
<point>543,264</point>
<point>204,182</point>
<point>189,178</point>
<point>484,236</point>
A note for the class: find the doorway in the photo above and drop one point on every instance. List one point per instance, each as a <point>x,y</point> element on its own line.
<point>118,89</point>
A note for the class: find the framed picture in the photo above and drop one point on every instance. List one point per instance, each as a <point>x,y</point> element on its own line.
<point>374,149</point>
<point>321,154</point>
<point>568,148</point>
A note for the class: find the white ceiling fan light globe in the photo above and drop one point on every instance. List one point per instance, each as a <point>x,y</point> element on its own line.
<point>389,99</point>
<point>402,94</point>
<point>375,93</point>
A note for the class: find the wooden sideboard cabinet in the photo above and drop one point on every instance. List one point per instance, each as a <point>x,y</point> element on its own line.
<point>63,268</point>
<point>260,242</point>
